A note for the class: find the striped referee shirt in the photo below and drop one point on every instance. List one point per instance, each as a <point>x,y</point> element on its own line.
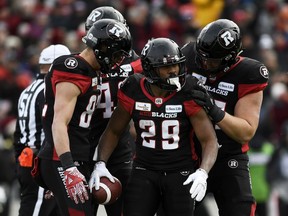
<point>29,131</point>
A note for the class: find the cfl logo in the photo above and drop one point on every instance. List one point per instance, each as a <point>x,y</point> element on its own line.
<point>227,37</point>
<point>233,163</point>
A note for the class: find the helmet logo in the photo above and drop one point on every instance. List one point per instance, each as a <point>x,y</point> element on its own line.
<point>93,16</point>
<point>116,30</point>
<point>227,37</point>
<point>144,50</point>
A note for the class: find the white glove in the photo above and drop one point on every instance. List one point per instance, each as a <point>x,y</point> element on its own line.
<point>199,186</point>
<point>100,170</point>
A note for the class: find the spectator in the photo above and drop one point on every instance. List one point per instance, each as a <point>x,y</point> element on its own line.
<point>277,175</point>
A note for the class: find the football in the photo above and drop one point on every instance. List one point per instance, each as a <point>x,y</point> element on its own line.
<point>108,191</point>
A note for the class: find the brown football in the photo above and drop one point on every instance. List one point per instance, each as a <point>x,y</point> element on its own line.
<point>108,191</point>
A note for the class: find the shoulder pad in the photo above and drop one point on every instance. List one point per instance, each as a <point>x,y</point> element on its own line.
<point>131,81</point>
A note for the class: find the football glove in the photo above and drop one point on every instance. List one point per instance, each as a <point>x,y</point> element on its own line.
<point>199,185</point>
<point>201,96</point>
<point>99,171</point>
<point>76,185</point>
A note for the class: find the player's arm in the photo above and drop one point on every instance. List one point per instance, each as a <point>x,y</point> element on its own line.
<point>65,101</point>
<point>109,139</point>
<point>205,132</point>
<point>242,126</point>
<point>206,135</point>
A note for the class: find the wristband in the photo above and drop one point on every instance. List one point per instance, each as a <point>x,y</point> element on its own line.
<point>66,160</point>
<point>216,114</point>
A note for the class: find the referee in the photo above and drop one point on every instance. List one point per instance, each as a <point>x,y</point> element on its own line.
<point>29,135</point>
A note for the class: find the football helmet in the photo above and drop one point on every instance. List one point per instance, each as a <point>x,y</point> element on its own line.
<point>161,52</point>
<point>111,42</point>
<point>104,12</point>
<point>217,46</point>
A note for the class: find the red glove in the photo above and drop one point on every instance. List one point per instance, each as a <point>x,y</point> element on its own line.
<point>76,185</point>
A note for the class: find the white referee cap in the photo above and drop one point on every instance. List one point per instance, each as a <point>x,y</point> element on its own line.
<point>52,52</point>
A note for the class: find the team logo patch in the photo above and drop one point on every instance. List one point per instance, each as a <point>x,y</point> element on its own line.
<point>158,101</point>
<point>94,81</point>
<point>264,72</point>
<point>226,86</point>
<point>126,67</point>
<point>71,63</point>
<point>200,77</point>
<point>142,106</point>
<point>173,108</point>
<point>233,163</point>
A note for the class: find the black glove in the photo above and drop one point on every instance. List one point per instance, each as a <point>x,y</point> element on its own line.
<point>201,96</point>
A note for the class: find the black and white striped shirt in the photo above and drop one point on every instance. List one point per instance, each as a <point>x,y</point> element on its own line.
<point>29,131</point>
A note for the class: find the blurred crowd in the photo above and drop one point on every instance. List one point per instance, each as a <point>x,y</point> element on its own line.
<point>26,27</point>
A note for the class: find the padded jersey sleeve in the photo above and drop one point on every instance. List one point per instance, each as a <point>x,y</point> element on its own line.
<point>75,75</point>
<point>125,101</point>
<point>255,77</point>
<point>190,105</point>
<point>125,93</point>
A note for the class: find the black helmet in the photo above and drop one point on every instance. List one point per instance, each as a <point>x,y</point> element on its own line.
<point>217,46</point>
<point>104,12</point>
<point>110,40</point>
<point>161,52</point>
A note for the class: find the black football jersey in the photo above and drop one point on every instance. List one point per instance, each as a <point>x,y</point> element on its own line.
<point>164,133</point>
<point>71,68</point>
<point>108,102</point>
<point>245,77</point>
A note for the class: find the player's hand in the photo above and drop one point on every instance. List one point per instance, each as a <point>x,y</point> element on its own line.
<point>100,170</point>
<point>201,96</point>
<point>199,185</point>
<point>76,185</point>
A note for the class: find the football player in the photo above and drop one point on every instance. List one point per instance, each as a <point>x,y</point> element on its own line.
<point>71,94</point>
<point>29,136</point>
<point>231,92</point>
<point>165,119</point>
<point>120,162</point>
